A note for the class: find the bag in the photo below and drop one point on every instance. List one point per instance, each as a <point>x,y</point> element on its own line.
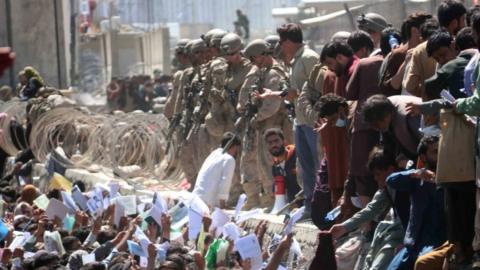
<point>456,148</point>
<point>347,253</point>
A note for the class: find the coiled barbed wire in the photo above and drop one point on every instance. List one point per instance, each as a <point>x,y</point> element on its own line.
<point>11,140</point>
<point>113,141</point>
<point>65,127</point>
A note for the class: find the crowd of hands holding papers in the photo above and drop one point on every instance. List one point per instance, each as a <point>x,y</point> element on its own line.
<point>103,229</point>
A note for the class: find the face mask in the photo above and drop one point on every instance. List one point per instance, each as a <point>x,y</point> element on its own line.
<point>341,123</point>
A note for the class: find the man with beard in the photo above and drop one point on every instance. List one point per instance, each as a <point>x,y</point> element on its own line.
<point>389,116</point>
<point>451,15</point>
<point>341,63</point>
<point>362,84</point>
<point>216,174</point>
<point>426,229</point>
<point>284,161</point>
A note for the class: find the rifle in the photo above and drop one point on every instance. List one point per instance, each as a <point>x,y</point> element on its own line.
<point>244,120</point>
<point>232,96</point>
<point>199,113</point>
<point>171,129</point>
<point>290,110</point>
<point>251,109</point>
<point>290,106</point>
<point>187,122</point>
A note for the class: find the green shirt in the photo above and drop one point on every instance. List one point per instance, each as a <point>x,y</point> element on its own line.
<point>302,64</point>
<point>377,206</point>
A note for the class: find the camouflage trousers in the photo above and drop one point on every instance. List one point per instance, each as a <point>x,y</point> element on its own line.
<point>256,173</point>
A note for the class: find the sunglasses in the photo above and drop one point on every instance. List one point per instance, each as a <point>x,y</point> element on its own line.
<point>232,53</point>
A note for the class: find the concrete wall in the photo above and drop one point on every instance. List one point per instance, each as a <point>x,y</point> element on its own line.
<point>140,53</point>
<point>40,35</point>
<point>127,56</point>
<point>157,51</point>
<point>94,63</point>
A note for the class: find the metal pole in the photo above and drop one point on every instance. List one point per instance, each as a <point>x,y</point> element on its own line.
<point>57,43</point>
<point>404,9</point>
<point>73,42</point>
<point>350,17</point>
<point>434,6</point>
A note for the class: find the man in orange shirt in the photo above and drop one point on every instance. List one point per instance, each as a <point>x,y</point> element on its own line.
<point>284,162</point>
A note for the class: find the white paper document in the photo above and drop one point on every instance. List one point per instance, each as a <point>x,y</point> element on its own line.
<point>70,203</point>
<point>199,206</point>
<point>293,219</point>
<point>156,214</point>
<point>53,242</point>
<point>143,239</point>
<point>447,96</point>
<point>240,203</point>
<point>118,214</point>
<point>247,215</point>
<point>231,231</point>
<point>249,248</point>
<point>160,202</point>
<point>196,211</point>
<point>19,240</point>
<point>143,262</point>
<point>79,198</point>
<point>129,203</point>
<point>56,208</point>
<point>219,218</point>
<point>114,188</point>
<point>89,258</point>
<point>195,221</point>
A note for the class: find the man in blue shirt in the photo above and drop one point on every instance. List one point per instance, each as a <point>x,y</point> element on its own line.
<point>426,226</point>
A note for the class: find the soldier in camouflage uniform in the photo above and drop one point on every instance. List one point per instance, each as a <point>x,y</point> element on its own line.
<point>212,38</point>
<point>274,48</point>
<point>186,100</point>
<point>204,142</point>
<point>256,162</point>
<point>228,74</point>
<point>170,110</point>
<point>184,62</point>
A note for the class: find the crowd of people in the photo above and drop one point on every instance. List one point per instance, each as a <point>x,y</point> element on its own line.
<point>384,128</point>
<point>137,92</point>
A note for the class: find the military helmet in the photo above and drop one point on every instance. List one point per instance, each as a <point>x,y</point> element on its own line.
<point>217,38</point>
<point>372,22</point>
<point>272,41</point>
<point>211,33</point>
<point>256,47</point>
<point>181,44</point>
<point>340,36</point>
<point>231,43</point>
<point>196,45</point>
